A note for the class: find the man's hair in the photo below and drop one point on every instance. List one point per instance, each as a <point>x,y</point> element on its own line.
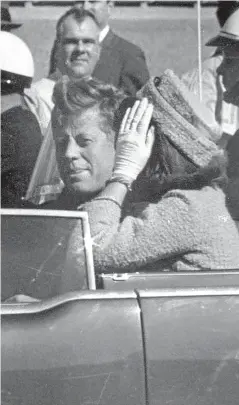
<point>79,14</point>
<point>72,96</point>
<point>225,9</point>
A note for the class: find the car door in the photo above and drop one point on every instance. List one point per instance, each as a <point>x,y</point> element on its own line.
<point>82,348</point>
<point>192,345</point>
<point>190,327</point>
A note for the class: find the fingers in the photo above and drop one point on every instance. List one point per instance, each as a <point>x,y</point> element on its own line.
<point>131,121</point>
<point>138,117</point>
<point>125,119</point>
<point>134,111</point>
<point>150,138</point>
<point>137,113</point>
<point>144,122</point>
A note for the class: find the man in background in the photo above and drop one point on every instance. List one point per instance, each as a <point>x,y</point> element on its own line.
<point>77,54</point>
<point>224,114</point>
<point>121,63</point>
<point>228,41</point>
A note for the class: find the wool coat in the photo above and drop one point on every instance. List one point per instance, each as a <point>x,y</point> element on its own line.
<point>186,230</point>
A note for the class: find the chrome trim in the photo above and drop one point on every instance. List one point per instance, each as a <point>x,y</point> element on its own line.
<point>49,304</point>
<point>189,292</point>
<point>43,213</point>
<point>170,274</point>
<point>52,303</point>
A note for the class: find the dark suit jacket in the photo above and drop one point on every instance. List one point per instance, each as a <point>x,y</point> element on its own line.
<point>121,63</point>
<point>20,143</point>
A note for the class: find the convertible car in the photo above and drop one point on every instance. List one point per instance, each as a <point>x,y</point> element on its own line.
<point>128,339</point>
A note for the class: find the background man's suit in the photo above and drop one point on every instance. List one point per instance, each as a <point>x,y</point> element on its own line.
<point>121,63</point>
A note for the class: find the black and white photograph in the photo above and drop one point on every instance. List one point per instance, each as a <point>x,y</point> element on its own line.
<point>119,202</point>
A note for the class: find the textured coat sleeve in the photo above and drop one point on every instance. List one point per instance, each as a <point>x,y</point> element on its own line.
<point>153,232</point>
<point>134,72</point>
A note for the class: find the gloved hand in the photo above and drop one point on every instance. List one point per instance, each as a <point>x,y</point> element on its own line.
<point>135,142</point>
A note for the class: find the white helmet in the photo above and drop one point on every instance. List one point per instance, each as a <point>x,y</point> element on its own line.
<point>16,62</point>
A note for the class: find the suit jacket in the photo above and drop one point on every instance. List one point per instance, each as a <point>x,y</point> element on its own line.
<point>121,63</point>
<point>20,143</point>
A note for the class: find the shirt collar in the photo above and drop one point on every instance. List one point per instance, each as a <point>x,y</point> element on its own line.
<point>103,33</point>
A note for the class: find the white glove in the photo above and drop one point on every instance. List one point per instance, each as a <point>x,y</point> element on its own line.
<point>134,143</point>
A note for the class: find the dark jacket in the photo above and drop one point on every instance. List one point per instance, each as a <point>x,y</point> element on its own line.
<point>233,176</point>
<point>20,143</point>
<point>121,63</point>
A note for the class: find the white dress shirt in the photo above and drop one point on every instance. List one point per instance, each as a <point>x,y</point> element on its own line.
<point>103,33</point>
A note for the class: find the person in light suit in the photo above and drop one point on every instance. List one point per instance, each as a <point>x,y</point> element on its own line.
<point>224,113</point>
<point>121,62</point>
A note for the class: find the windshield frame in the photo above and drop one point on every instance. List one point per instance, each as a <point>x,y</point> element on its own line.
<point>88,243</point>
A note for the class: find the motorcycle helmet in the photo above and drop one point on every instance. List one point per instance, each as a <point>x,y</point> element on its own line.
<point>16,64</point>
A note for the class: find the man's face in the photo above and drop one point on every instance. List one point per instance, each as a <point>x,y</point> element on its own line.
<point>79,47</point>
<point>101,10</point>
<point>85,155</point>
<point>229,68</point>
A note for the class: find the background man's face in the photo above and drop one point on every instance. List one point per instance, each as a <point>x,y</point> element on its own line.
<point>229,68</point>
<point>79,47</point>
<point>101,9</point>
<point>85,154</point>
